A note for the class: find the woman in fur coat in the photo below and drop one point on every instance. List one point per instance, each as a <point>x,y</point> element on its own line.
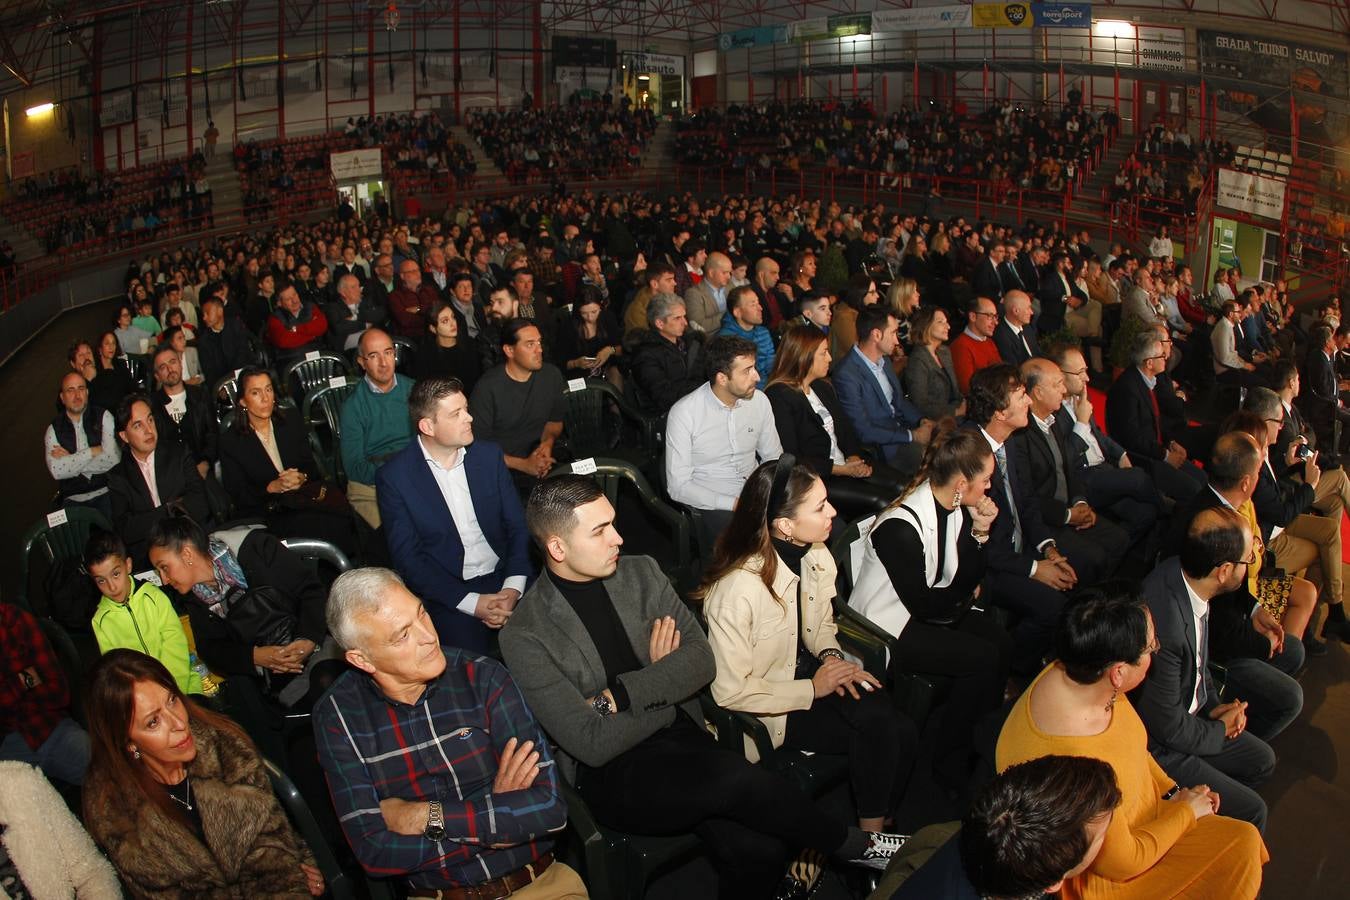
<point>44,853</point>
<point>178,797</point>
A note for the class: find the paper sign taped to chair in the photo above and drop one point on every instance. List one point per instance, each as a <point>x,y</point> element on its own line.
<point>584,466</point>
<point>576,384</point>
<point>55,519</point>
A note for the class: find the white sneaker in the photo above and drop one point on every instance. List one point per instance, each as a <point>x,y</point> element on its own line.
<point>881,847</point>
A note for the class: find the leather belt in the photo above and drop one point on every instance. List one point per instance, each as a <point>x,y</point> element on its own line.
<point>496,889</point>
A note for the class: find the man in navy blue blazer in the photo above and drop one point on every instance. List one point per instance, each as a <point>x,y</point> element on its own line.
<point>453,520</point>
<point>872,397</point>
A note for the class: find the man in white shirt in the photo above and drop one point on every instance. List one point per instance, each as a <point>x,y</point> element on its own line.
<point>717,434</point>
<point>453,520</point>
<point>1229,367</point>
<point>80,447</point>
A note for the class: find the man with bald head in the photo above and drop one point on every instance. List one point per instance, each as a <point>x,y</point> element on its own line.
<point>1054,491</point>
<point>375,422</point>
<point>706,302</point>
<point>1015,337</point>
<point>410,303</point>
<point>80,447</point>
<point>767,273</point>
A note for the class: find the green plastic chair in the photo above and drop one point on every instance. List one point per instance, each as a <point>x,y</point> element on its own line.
<point>339,884</point>
<point>57,542</point>
<point>304,376</point>
<point>405,355</point>
<point>589,425</point>
<point>616,865</point>
<point>322,414</point>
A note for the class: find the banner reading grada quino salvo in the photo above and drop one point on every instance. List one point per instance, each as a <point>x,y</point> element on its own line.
<point>1263,60</point>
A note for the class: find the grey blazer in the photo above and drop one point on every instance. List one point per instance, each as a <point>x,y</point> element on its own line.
<point>932,388</point>
<point>557,667</point>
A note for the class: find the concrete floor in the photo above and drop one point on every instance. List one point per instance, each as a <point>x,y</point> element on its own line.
<point>1309,796</point>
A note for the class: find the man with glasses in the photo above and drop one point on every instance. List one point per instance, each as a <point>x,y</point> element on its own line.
<point>1229,366</point>
<point>1197,733</point>
<point>381,284</point>
<point>375,422</point>
<point>1134,418</point>
<point>974,348</point>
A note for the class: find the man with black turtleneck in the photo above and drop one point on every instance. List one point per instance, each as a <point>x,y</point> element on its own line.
<point>633,742</point>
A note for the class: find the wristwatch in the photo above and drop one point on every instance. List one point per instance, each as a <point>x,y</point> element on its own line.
<point>602,705</point>
<point>435,822</point>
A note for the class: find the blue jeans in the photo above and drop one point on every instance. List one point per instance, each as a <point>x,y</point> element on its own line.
<point>64,755</point>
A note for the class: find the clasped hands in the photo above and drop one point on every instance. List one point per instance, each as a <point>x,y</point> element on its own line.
<point>284,660</point>
<point>1054,570</point>
<point>494,609</point>
<point>1233,715</point>
<point>286,481</point>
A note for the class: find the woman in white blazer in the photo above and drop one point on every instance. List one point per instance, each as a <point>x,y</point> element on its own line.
<point>918,568</point>
<point>43,846</point>
<point>767,599</point>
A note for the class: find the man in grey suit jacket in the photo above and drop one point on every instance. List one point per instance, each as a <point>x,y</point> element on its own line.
<point>611,661</point>
<point>1196,738</point>
<point>706,302</point>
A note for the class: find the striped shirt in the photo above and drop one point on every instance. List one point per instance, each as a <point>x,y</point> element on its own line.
<point>445,747</point>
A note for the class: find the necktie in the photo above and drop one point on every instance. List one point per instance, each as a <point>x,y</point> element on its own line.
<point>1001,456</point>
<point>1157,415</point>
<point>1202,641</point>
<point>1061,483</point>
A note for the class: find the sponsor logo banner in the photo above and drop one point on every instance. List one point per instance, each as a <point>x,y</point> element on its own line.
<point>1062,15</point>
<point>654,63</point>
<point>350,164</point>
<point>1162,48</point>
<point>742,38</point>
<point>932,17</point>
<point>1254,194</point>
<point>1001,15</point>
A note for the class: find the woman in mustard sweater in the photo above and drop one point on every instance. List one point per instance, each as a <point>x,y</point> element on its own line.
<point>1163,840</point>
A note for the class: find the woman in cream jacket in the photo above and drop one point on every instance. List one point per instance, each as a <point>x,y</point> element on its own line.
<point>49,852</point>
<point>767,599</point>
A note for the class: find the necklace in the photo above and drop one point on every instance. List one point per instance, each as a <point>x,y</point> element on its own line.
<point>187,785</point>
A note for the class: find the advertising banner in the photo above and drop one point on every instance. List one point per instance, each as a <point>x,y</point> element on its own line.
<point>1161,47</point>
<point>742,38</point>
<point>1253,194</point>
<point>1001,15</point>
<point>824,27</point>
<point>1061,15</point>
<point>654,63</point>
<point>1276,63</point>
<point>932,17</point>
<point>352,164</point>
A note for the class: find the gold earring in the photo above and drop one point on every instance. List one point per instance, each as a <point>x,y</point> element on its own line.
<point>135,753</point>
<point>1111,704</point>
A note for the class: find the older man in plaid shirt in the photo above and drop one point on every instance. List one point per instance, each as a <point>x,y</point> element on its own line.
<point>438,771</point>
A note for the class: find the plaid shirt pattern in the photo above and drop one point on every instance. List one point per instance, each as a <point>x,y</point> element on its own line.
<point>445,747</point>
<point>34,712</point>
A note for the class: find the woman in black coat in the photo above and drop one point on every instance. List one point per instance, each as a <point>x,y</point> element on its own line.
<point>812,426</point>
<point>270,473</point>
<point>447,351</point>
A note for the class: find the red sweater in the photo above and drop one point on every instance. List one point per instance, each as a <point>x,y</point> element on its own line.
<point>970,355</point>
<point>306,332</point>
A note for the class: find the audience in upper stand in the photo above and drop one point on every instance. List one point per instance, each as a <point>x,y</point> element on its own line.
<point>586,140</point>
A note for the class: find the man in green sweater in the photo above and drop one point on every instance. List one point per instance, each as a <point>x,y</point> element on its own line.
<point>375,422</point>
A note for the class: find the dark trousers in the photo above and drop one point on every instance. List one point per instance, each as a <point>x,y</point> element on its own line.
<point>708,526</point>
<point>975,654</point>
<point>679,781</point>
<point>1037,607</point>
<point>1127,495</point>
<point>1181,483</point>
<point>881,745</point>
<point>457,629</point>
<point>1093,552</point>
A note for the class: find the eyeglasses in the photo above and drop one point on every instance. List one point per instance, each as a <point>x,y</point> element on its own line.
<point>1079,373</point>
<point>1279,421</point>
<point>986,315</point>
<point>1246,562</point>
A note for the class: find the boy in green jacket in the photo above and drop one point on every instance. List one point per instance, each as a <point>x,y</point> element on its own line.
<point>136,616</point>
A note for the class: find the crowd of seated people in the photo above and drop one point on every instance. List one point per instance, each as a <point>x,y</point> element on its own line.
<point>1007,539</point>
<point>1009,146</point>
<point>579,140</point>
<point>67,209</point>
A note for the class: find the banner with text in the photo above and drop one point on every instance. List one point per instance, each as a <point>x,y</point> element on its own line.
<point>1254,194</point>
<point>932,17</point>
<point>1028,15</point>
<point>1161,47</point>
<point>654,63</point>
<point>350,164</point>
<point>824,27</point>
<point>1001,15</point>
<point>1061,15</point>
<point>1281,64</point>
<point>742,38</point>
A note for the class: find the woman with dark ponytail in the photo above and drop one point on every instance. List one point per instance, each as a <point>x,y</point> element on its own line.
<point>919,577</point>
<point>767,599</point>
